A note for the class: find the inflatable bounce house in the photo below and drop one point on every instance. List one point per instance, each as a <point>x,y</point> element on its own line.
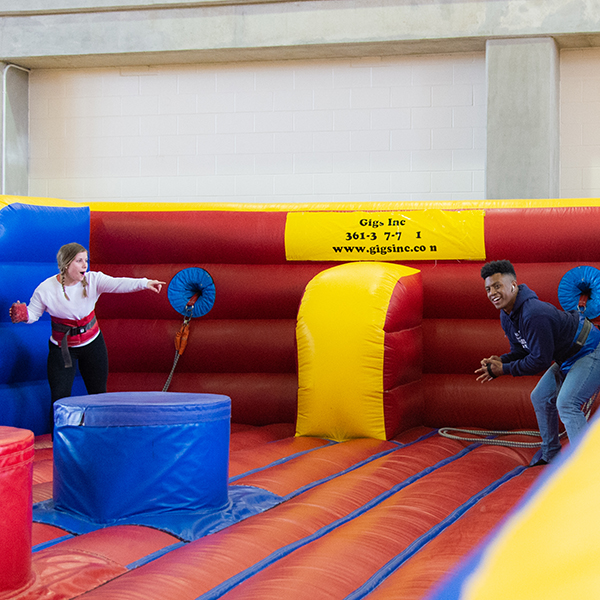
<point>281,422</point>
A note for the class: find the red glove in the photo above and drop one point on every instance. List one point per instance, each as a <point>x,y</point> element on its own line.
<point>18,312</point>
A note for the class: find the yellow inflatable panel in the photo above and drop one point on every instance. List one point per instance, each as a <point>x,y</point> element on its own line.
<point>340,334</point>
<point>307,206</point>
<point>550,549</point>
<point>385,236</point>
<point>32,201</point>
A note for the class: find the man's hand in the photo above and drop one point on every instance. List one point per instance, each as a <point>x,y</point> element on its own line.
<point>490,369</point>
<point>18,312</point>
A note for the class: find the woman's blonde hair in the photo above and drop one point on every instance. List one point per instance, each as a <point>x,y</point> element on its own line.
<point>66,255</point>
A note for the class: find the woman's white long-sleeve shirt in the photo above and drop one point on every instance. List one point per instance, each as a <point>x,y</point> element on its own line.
<point>49,296</point>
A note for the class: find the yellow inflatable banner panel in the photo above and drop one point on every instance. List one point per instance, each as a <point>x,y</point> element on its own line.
<point>385,236</point>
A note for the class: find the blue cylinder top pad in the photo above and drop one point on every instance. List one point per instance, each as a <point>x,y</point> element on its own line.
<point>577,281</point>
<point>185,284</point>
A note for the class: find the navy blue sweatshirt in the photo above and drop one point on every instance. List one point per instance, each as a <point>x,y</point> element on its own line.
<point>538,332</point>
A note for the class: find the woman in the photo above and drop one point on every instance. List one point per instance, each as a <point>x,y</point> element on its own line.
<point>70,297</point>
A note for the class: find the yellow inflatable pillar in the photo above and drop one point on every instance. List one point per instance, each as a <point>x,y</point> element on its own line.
<point>550,548</point>
<point>360,351</point>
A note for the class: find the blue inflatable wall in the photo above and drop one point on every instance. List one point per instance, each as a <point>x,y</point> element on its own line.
<point>30,237</point>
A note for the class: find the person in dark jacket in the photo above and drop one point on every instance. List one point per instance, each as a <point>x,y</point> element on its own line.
<point>543,338</point>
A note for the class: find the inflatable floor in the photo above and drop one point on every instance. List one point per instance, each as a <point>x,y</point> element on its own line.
<point>300,449</point>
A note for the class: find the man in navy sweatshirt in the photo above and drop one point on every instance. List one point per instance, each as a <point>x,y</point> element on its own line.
<point>543,338</point>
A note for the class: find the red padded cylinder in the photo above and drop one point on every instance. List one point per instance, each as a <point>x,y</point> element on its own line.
<point>16,481</point>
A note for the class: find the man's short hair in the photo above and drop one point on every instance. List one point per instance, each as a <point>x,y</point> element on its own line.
<point>498,266</point>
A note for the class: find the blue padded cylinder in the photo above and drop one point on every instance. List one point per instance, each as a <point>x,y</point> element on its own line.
<point>188,282</point>
<point>577,281</point>
<point>123,454</point>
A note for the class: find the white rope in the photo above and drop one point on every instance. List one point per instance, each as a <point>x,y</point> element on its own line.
<point>447,432</point>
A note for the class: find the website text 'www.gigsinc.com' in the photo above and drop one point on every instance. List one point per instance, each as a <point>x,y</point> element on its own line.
<point>383,250</point>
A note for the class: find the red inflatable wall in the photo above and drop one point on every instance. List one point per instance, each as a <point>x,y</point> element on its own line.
<point>245,347</point>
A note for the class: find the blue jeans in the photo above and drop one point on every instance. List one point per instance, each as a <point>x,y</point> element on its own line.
<point>559,395</point>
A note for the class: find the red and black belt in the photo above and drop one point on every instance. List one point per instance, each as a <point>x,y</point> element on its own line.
<point>68,331</point>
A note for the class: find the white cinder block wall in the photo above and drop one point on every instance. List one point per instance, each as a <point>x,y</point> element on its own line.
<point>401,128</point>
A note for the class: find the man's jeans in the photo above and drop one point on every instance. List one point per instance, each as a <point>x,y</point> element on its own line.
<point>559,395</point>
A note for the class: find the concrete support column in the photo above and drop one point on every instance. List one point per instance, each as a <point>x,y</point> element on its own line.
<point>523,118</point>
<point>14,131</point>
